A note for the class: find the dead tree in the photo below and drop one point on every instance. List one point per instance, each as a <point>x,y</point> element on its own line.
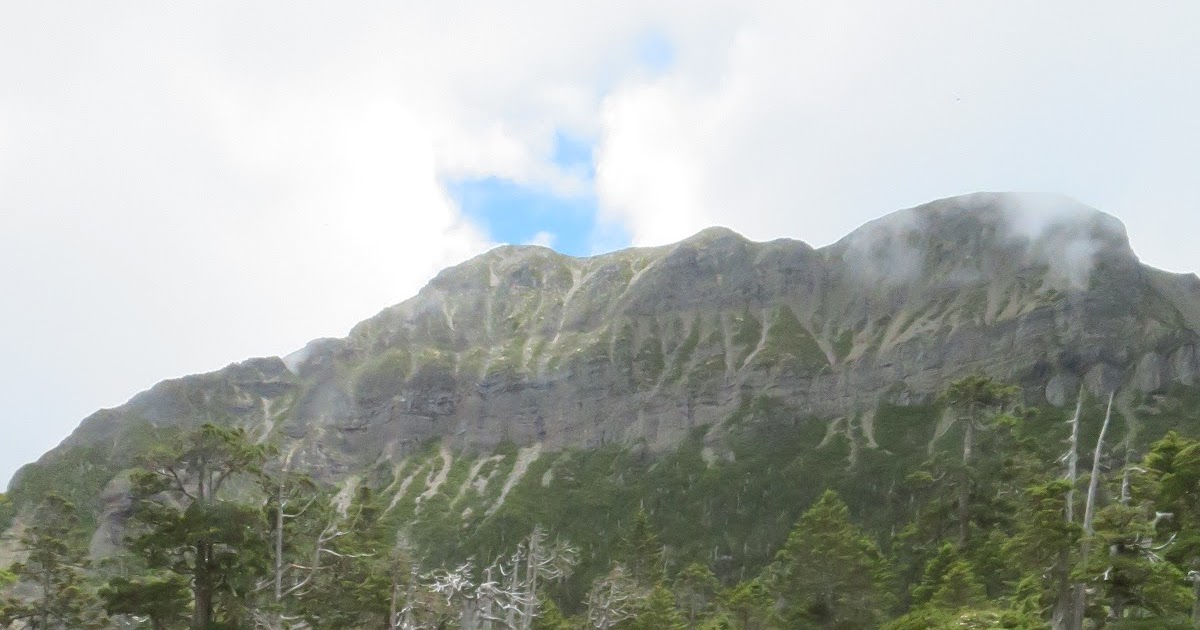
<point>544,561</point>
<point>1089,513</point>
<point>295,578</point>
<point>1061,615</point>
<point>612,600</point>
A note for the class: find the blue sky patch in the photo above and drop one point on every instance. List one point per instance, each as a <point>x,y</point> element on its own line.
<point>573,153</point>
<point>655,51</point>
<point>516,213</point>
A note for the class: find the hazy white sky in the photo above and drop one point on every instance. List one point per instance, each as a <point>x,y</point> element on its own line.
<point>183,185</point>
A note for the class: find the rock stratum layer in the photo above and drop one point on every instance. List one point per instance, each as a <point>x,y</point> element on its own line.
<point>529,346</point>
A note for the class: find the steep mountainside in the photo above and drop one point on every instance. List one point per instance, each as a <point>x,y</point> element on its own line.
<point>526,348</point>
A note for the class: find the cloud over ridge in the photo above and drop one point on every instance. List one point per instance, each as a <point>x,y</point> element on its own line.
<point>185,185</point>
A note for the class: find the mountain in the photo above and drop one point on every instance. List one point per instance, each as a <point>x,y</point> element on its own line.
<point>523,357</point>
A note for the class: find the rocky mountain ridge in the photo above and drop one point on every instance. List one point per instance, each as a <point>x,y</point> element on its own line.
<point>527,346</point>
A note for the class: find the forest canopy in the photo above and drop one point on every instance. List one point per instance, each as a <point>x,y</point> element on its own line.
<point>1003,526</point>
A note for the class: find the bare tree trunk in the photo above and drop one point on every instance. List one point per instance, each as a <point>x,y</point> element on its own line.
<point>530,604</point>
<point>964,485</point>
<point>1125,493</point>
<point>203,589</point>
<point>392,607</point>
<point>279,548</point>
<point>514,586</point>
<point>1089,512</point>
<point>406,619</point>
<point>1073,458</point>
<point>1060,617</point>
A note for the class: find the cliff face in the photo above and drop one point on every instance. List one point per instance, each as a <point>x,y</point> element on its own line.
<point>526,345</point>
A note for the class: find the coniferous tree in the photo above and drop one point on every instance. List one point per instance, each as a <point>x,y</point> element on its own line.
<point>696,590</point>
<point>54,571</point>
<point>973,398</point>
<point>1174,461</point>
<point>551,618</point>
<point>1127,571</point>
<point>829,574</point>
<point>751,606</point>
<point>185,522</point>
<point>162,598</point>
<point>352,568</point>
<point>959,589</point>
<point>1043,546</point>
<point>935,571</point>
<point>642,552</point>
<point>658,612</point>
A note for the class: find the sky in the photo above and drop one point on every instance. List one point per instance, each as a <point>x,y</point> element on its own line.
<point>185,185</point>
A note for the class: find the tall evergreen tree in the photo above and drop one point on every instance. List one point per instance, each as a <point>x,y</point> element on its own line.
<point>1127,572</point>
<point>973,399</point>
<point>54,572</point>
<point>641,551</point>
<point>959,589</point>
<point>185,522</point>
<point>162,598</point>
<point>751,606</point>
<point>934,573</point>
<point>551,618</point>
<point>696,591</point>
<point>829,574</point>
<point>1174,460</point>
<point>1043,546</point>
<point>658,612</point>
<point>353,569</point>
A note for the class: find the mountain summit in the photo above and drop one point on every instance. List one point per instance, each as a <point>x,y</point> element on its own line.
<point>526,345</point>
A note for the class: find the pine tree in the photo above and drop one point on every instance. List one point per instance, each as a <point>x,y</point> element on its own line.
<point>353,568</point>
<point>185,523</point>
<point>934,573</point>
<point>551,618</point>
<point>1043,545</point>
<point>641,552</point>
<point>751,606</point>
<point>959,589</point>
<point>973,398</point>
<point>658,612</point>
<point>1131,576</point>
<point>829,574</point>
<point>1175,463</point>
<point>162,598</point>
<point>54,570</point>
<point>696,590</point>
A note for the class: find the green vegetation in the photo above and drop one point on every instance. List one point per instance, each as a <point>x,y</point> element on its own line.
<point>765,521</point>
<point>790,344</point>
<point>383,376</point>
<point>683,354</point>
<point>55,570</point>
<point>747,331</point>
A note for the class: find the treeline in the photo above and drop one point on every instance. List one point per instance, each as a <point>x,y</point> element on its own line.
<point>1006,530</point>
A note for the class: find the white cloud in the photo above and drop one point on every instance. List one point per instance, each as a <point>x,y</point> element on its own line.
<point>816,117</point>
<point>542,239</point>
<point>185,185</point>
